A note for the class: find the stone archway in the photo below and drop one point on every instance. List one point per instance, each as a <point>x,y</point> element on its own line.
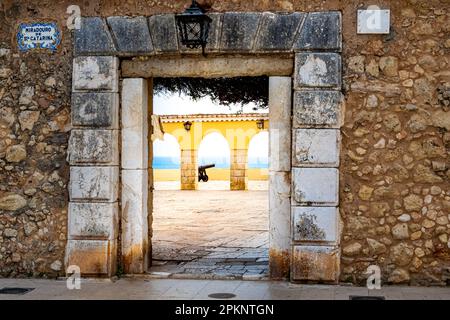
<point>305,117</point>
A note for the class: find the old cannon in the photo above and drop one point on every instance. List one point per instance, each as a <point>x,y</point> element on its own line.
<point>202,176</point>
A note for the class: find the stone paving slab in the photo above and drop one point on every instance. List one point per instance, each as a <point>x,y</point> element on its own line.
<point>226,236</point>
<point>170,289</point>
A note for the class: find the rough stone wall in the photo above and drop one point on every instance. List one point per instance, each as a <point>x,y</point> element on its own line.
<point>34,118</point>
<point>394,184</point>
<point>395,168</point>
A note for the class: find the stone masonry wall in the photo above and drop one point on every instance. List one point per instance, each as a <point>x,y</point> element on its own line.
<point>394,166</point>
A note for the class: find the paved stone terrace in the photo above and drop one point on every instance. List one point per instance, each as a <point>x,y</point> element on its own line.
<point>172,289</point>
<point>208,233</point>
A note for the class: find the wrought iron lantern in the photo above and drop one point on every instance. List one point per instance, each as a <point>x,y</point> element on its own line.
<point>193,27</point>
<point>187,125</point>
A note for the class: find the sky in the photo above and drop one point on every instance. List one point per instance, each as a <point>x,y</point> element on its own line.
<point>213,145</point>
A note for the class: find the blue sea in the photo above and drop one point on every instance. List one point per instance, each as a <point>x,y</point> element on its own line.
<point>221,163</point>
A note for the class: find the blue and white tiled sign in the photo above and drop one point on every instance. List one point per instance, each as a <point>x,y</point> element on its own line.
<point>38,36</point>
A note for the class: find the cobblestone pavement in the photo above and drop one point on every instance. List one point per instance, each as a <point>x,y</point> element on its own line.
<point>210,233</point>
<point>172,289</point>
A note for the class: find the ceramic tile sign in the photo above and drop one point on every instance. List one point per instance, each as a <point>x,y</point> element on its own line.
<point>38,35</point>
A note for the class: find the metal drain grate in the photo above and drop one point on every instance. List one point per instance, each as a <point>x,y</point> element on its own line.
<point>221,295</point>
<point>367,298</point>
<point>15,290</point>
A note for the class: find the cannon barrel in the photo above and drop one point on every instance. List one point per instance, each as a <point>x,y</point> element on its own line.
<point>206,166</point>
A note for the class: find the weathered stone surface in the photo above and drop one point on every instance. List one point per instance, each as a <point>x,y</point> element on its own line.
<point>93,38</point>
<point>135,124</point>
<point>26,96</point>
<point>239,31</point>
<point>16,153</point>
<point>93,146</point>
<point>95,73</point>
<point>277,31</point>
<point>413,203</point>
<point>210,67</point>
<point>56,265</point>
<point>352,249</point>
<point>131,34</point>
<point>94,183</point>
<point>317,109</point>
<point>441,119</point>
<point>316,186</point>
<point>389,66</point>
<point>94,257</point>
<point>163,32</point>
<point>402,253</point>
<point>313,224</point>
<point>316,147</point>
<point>280,105</point>
<point>317,70</point>
<point>10,233</point>
<point>12,202</point>
<point>400,231</point>
<point>280,212</point>
<point>238,169</point>
<point>399,276</point>
<point>134,220</point>
<point>27,119</point>
<point>376,247</point>
<point>365,192</point>
<point>95,109</point>
<point>424,174</point>
<point>321,31</point>
<point>189,169</point>
<point>93,220</point>
<point>315,263</point>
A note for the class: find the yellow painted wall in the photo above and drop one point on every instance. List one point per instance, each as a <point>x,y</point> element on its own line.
<point>237,133</point>
<point>213,174</point>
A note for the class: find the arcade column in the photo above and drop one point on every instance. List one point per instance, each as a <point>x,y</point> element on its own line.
<point>238,169</point>
<point>189,169</point>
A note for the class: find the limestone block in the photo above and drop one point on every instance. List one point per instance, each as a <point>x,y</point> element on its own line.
<point>131,34</point>
<point>93,220</point>
<point>164,33</point>
<point>95,73</point>
<point>189,169</point>
<point>315,224</point>
<point>93,38</point>
<point>315,263</point>
<point>239,31</point>
<point>321,31</point>
<point>135,220</point>
<point>209,67</point>
<point>317,70</point>
<point>316,147</point>
<point>317,109</point>
<point>316,186</point>
<point>94,146</point>
<point>135,124</point>
<point>280,210</point>
<point>280,105</point>
<point>95,109</point>
<point>277,31</point>
<point>94,184</point>
<point>94,257</point>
